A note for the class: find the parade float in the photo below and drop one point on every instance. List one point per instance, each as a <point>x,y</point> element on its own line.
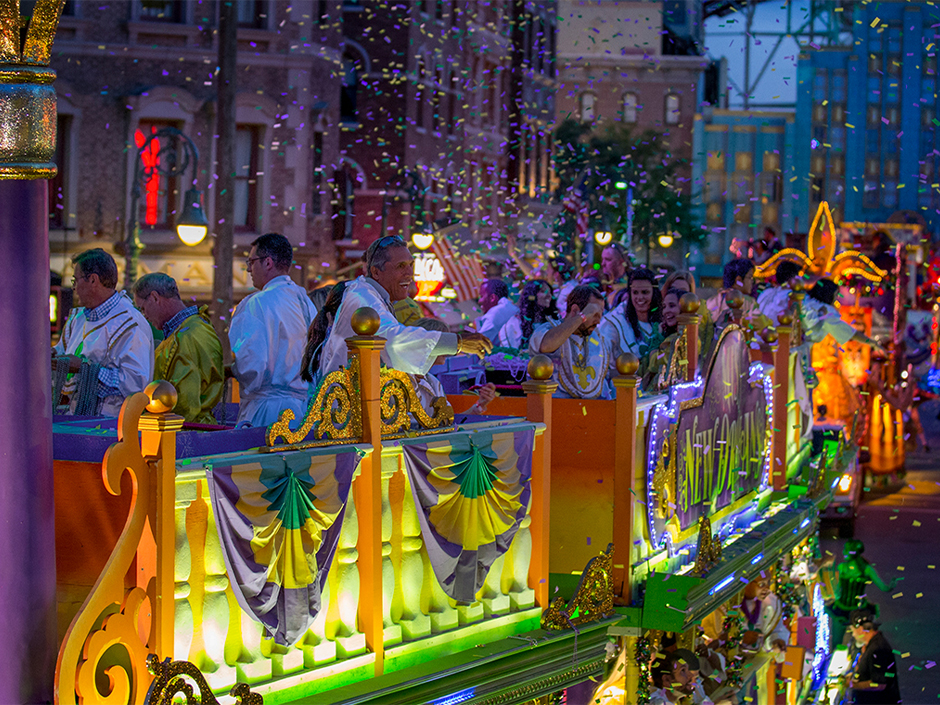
<point>372,552</point>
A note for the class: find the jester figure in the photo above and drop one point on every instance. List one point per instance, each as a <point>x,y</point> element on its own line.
<point>849,583</point>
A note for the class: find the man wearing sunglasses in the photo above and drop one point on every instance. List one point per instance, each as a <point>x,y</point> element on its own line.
<point>268,336</point>
<point>391,270</point>
<point>875,677</point>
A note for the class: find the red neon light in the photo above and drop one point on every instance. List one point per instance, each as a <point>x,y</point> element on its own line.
<point>151,159</point>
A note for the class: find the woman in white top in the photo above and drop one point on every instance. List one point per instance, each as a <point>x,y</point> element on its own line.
<point>536,306</point>
<point>633,325</point>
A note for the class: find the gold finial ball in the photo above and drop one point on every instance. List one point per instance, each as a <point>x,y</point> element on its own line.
<point>627,363</point>
<point>769,335</point>
<point>734,299</point>
<point>541,367</point>
<point>785,318</point>
<point>688,302</point>
<point>365,321</point>
<point>797,285</point>
<point>163,396</point>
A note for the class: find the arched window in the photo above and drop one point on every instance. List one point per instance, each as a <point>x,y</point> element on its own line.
<point>672,109</point>
<point>629,107</point>
<point>348,111</point>
<point>587,107</point>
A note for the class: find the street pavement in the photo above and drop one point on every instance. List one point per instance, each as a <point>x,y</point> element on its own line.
<point>900,527</point>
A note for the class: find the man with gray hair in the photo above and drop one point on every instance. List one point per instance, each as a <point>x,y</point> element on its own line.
<point>391,269</point>
<point>107,334</point>
<point>190,355</point>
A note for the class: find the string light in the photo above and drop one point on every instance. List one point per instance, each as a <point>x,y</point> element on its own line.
<point>823,626</point>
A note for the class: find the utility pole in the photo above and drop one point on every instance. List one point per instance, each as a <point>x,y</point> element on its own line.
<point>223,251</point>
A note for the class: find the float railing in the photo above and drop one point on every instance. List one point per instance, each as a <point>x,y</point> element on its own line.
<point>169,590</point>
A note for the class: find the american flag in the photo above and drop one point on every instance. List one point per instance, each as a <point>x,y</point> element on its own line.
<point>465,271</point>
<point>575,204</point>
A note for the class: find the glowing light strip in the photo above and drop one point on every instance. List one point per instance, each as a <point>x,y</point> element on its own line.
<point>461,697</point>
<point>756,559</point>
<point>669,411</point>
<point>724,583</point>
<point>823,627</point>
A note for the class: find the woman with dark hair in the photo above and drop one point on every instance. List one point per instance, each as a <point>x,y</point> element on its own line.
<point>536,306</point>
<point>655,374</point>
<point>317,334</point>
<point>631,326</point>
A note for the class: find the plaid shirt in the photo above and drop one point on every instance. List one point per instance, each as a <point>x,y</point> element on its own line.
<point>170,326</point>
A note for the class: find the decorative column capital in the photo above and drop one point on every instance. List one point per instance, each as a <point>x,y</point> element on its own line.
<point>27,98</point>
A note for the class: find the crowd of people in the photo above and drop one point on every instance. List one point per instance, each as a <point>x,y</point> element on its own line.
<point>283,344</point>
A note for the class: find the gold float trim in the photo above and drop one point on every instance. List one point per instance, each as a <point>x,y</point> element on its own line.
<point>398,400</point>
<point>592,601</point>
<point>170,680</point>
<point>708,554</point>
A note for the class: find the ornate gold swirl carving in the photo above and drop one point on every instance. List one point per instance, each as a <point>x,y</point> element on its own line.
<point>170,680</point>
<point>104,633</point>
<point>664,477</point>
<point>593,600</point>
<point>709,548</point>
<point>335,413</point>
<point>399,402</point>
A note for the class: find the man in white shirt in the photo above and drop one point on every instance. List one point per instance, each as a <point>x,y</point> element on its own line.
<point>578,349</point>
<point>497,308</point>
<point>107,331</point>
<point>407,348</point>
<point>775,299</point>
<point>268,335</point>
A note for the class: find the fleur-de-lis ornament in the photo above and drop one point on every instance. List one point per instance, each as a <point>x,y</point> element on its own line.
<point>820,258</point>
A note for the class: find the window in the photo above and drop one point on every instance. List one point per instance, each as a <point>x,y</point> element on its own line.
<point>315,206</point>
<point>587,107</point>
<point>347,102</point>
<point>251,13</point>
<point>161,10</point>
<point>246,177</point>
<point>672,109</point>
<point>323,13</point>
<point>419,92</point>
<point>157,204</point>
<point>819,114</point>
<point>629,107</point>
<point>873,116</point>
<point>838,113</point>
<point>58,218</point>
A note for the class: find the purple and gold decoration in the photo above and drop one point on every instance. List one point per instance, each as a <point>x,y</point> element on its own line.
<point>279,519</point>
<point>27,145</point>
<point>472,492</point>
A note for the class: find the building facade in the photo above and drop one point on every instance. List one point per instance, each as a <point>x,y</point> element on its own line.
<point>619,62</point>
<point>446,117</point>
<point>743,180</point>
<point>867,126</point>
<point>127,69</point>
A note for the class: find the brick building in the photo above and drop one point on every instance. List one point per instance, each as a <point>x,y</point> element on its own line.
<point>458,94</point>
<point>128,68</point>
<point>634,63</point>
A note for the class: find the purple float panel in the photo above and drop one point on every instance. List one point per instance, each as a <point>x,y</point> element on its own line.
<point>27,510</point>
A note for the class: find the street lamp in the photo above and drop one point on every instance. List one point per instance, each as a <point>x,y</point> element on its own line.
<point>665,240</point>
<point>191,225</point>
<point>603,237</point>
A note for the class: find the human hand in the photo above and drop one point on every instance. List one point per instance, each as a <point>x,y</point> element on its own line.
<point>487,394</point>
<point>474,344</point>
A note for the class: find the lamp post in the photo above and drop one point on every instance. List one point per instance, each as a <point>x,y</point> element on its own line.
<point>191,225</point>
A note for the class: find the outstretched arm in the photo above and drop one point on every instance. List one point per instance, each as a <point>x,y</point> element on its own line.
<point>872,575</point>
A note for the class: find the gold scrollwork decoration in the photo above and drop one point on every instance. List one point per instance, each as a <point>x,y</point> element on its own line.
<point>399,402</point>
<point>170,680</point>
<point>335,413</point>
<point>664,476</point>
<point>593,600</point>
<point>104,635</point>
<point>709,548</point>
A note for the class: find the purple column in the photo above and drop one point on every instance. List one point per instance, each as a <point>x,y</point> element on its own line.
<point>27,536</point>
